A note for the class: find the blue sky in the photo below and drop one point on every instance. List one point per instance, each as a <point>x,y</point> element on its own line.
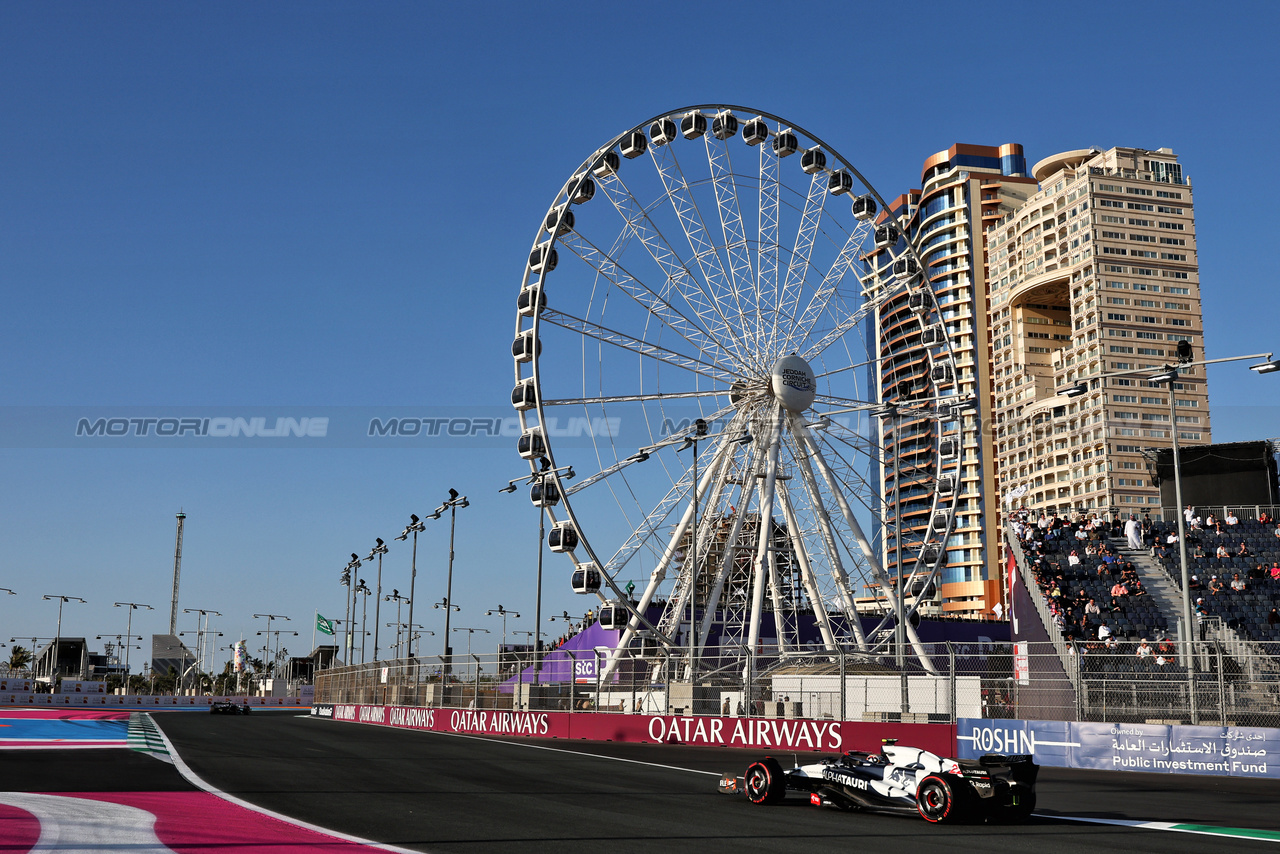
<point>329,205</point>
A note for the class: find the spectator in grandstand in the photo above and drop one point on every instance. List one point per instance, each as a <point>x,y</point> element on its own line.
<point>1143,650</point>
<point>1273,617</point>
<point>1104,631</point>
<point>1222,551</point>
<point>1231,518</point>
<point>1210,521</point>
<point>1091,609</point>
<point>1258,573</point>
<point>1197,550</point>
<point>1275,570</point>
<point>1237,583</point>
<point>1115,606</point>
<point>1165,652</point>
<point>1111,643</point>
<point>1073,559</point>
<point>1244,551</point>
<point>1215,586</point>
<point>1264,518</point>
<point>1119,589</point>
<point>1193,583</point>
<point>1201,609</point>
<point>1189,513</point>
<point>1133,532</point>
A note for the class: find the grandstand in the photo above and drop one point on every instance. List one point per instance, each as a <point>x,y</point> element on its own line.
<point>1145,671</point>
<point>1244,611</point>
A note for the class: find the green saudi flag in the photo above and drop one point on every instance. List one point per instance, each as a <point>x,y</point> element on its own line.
<point>324,624</point>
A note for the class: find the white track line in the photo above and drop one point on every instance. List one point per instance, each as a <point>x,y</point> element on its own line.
<point>195,780</point>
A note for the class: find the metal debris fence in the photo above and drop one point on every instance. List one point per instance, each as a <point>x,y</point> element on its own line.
<point>1231,686</point>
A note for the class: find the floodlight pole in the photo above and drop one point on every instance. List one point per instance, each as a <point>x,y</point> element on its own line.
<point>379,549</point>
<point>415,526</point>
<point>699,431</point>
<point>132,606</point>
<point>452,504</point>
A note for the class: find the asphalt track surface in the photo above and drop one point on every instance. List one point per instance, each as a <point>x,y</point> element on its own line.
<point>447,793</point>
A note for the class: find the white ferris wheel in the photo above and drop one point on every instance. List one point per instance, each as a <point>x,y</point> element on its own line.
<point>697,373</point>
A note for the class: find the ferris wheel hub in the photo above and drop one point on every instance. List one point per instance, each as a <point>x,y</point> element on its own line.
<point>793,382</point>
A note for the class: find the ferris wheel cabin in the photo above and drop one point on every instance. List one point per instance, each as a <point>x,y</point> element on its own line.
<point>662,131</point>
<point>693,125</point>
<point>531,445</point>
<point>563,538</point>
<point>586,579</point>
<point>614,616</point>
<point>755,131</point>
<point>544,493</point>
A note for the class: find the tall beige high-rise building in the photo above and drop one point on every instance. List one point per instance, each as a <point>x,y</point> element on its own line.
<point>1095,273</point>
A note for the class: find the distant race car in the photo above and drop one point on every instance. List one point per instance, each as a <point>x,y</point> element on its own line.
<point>226,707</point>
<point>901,780</point>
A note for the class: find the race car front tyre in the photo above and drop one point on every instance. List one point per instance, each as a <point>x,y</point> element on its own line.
<point>765,782</point>
<point>937,800</point>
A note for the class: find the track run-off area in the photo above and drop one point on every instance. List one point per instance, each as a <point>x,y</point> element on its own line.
<point>282,782</point>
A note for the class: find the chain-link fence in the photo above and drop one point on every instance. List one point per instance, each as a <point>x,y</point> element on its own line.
<point>1203,682</point>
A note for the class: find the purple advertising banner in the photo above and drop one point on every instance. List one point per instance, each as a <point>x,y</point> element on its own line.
<point>1161,748</point>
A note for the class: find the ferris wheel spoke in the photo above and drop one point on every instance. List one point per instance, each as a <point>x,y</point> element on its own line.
<point>846,595</point>
<point>767,277</point>
<point>850,321</point>
<point>637,345</point>
<point>641,455</point>
<point>821,298</point>
<point>729,558</point>
<point>676,275</point>
<point>605,265</point>
<point>854,483</point>
<point>808,579</point>
<point>699,299</point>
<point>740,267</point>
<point>801,252</point>
<point>764,542</point>
<point>680,196</point>
<point>863,544</point>
<point>845,403</point>
<point>635,398</point>
<point>649,528</point>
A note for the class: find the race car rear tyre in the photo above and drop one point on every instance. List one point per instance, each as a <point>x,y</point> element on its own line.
<point>937,800</point>
<point>765,782</point>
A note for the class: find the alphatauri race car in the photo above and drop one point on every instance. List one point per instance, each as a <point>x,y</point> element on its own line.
<point>901,780</point>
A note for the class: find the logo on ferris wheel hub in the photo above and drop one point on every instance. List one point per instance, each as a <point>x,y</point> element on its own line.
<point>793,383</point>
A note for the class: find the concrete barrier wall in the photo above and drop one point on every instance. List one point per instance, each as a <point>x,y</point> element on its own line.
<point>819,736</point>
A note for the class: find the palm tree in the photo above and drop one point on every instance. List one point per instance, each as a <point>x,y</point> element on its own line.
<point>19,658</point>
